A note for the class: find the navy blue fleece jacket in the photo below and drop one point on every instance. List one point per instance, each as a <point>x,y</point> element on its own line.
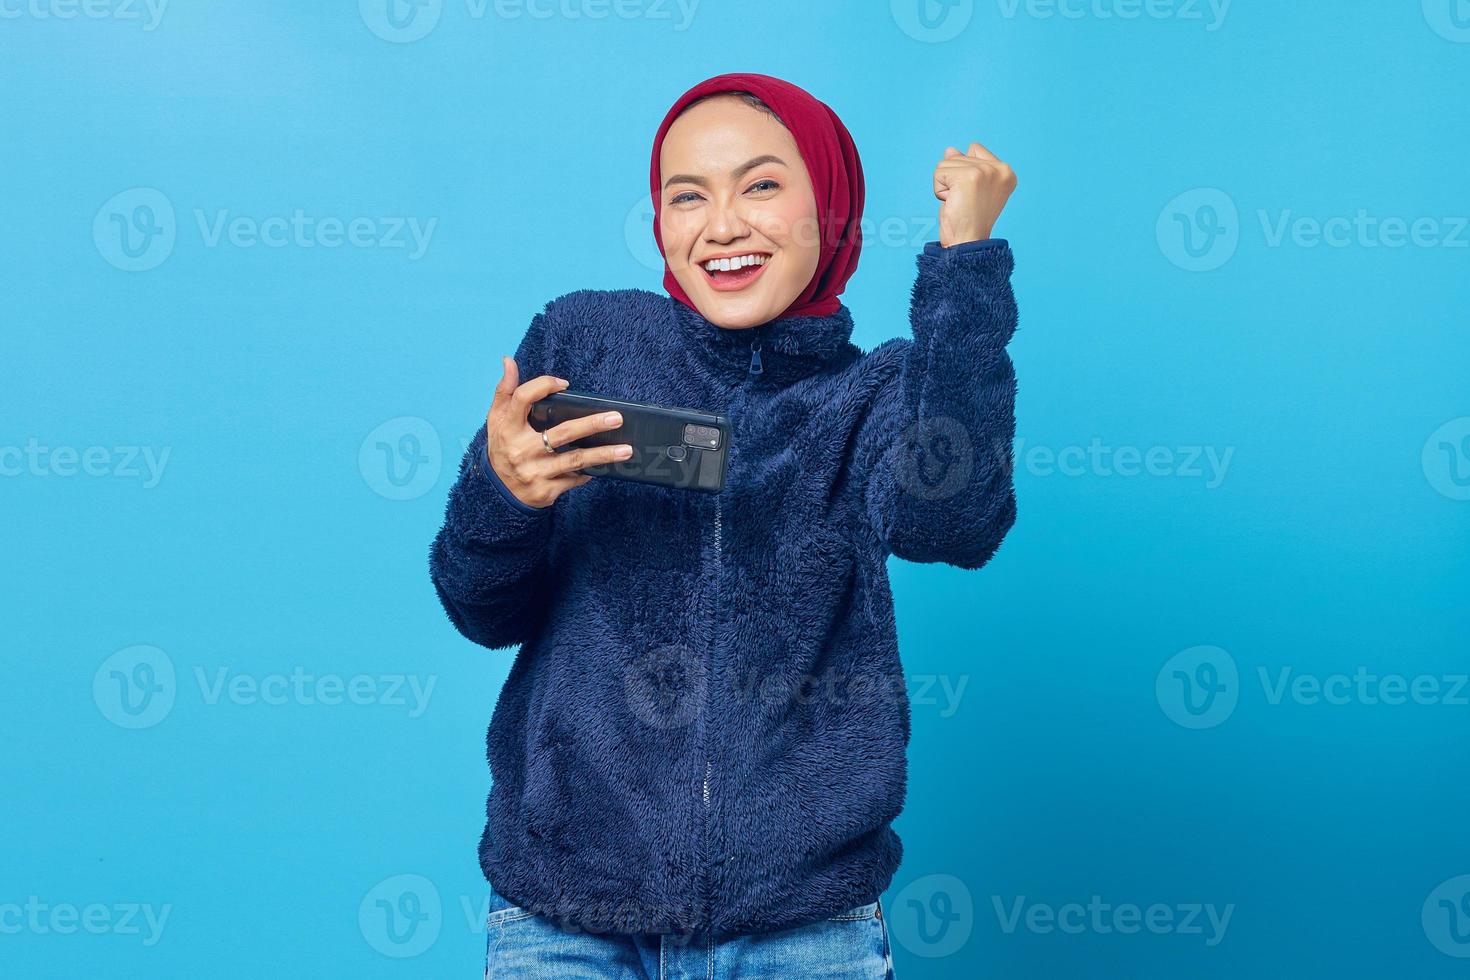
<point>705,725</point>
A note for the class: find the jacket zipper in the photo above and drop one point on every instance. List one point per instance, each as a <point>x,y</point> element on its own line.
<point>756,368</point>
<point>709,764</point>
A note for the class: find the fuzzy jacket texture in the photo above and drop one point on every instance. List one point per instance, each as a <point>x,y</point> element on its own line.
<point>705,726</point>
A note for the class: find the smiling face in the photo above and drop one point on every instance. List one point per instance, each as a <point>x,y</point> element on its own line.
<point>736,194</point>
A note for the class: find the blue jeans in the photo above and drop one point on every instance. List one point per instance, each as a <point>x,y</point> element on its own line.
<point>522,945</point>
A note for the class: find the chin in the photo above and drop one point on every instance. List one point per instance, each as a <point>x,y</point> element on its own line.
<point>738,318</point>
<point>731,311</point>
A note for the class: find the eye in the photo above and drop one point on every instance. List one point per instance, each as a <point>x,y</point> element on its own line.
<point>765,184</point>
<point>683,198</point>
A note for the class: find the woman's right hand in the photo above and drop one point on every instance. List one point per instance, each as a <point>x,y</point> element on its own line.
<point>517,453</point>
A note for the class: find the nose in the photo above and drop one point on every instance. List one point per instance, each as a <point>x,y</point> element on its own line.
<point>726,223</point>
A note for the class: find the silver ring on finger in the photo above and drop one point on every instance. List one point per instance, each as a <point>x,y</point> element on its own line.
<point>546,442</point>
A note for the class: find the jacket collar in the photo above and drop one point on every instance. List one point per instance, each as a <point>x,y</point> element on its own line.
<point>789,348</point>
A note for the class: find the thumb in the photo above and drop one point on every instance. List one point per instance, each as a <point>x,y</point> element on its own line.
<point>509,379</point>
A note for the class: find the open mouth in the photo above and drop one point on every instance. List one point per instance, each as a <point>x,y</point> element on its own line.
<point>735,272</point>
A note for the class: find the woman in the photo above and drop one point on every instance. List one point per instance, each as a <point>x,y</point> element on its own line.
<point>699,750</point>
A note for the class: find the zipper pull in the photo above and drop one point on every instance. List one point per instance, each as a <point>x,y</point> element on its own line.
<point>755,357</point>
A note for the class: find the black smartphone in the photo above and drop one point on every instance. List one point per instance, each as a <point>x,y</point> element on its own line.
<point>681,448</point>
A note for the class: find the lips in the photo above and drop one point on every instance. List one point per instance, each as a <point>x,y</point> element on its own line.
<point>734,280</point>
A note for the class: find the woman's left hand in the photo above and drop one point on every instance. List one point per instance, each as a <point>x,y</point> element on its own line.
<point>974,187</point>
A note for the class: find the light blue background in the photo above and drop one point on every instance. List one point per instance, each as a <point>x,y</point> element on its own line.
<point>1335,540</point>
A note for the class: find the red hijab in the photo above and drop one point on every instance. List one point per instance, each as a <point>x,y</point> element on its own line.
<point>831,159</point>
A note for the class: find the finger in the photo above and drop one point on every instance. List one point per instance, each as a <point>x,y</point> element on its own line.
<point>531,392</point>
<point>575,459</point>
<point>950,151</point>
<point>562,484</point>
<point>574,429</point>
<point>946,170</point>
<point>979,152</point>
<point>509,378</point>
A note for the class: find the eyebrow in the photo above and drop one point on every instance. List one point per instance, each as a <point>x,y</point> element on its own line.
<point>734,174</point>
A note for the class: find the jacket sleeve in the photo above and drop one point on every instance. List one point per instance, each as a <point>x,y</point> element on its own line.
<point>938,441</point>
<point>489,560</point>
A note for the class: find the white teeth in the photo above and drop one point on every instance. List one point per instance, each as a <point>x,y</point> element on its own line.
<point>738,262</point>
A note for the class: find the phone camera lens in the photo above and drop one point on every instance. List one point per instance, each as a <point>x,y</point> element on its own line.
<point>702,436</point>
